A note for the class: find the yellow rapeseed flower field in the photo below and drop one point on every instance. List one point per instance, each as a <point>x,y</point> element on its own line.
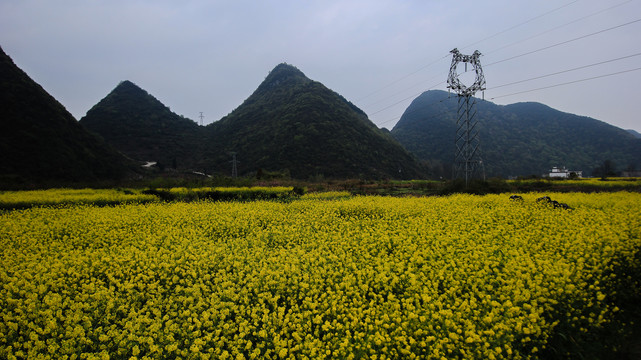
<point>51,197</point>
<point>469,277</point>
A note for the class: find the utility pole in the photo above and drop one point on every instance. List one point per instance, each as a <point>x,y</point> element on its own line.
<point>467,157</point>
<point>201,118</point>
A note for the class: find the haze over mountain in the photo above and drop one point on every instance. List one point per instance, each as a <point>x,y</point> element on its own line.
<point>517,139</point>
<point>41,141</point>
<point>141,127</point>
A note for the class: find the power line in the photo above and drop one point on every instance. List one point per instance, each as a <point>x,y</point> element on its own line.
<point>403,78</point>
<point>396,103</point>
<point>558,27</point>
<point>555,28</point>
<point>565,71</point>
<point>447,55</point>
<point>520,55</point>
<point>405,99</point>
<point>422,82</point>
<point>491,36</point>
<point>564,42</point>
<point>567,83</point>
<point>525,91</point>
<point>520,24</point>
<point>416,110</point>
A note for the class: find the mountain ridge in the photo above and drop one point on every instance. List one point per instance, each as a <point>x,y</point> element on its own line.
<point>41,141</point>
<point>295,126</point>
<point>305,129</point>
<point>634,133</point>
<point>290,125</point>
<point>142,127</point>
<point>526,138</point>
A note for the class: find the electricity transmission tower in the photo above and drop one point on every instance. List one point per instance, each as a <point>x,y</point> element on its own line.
<point>201,118</point>
<point>234,168</point>
<point>467,158</point>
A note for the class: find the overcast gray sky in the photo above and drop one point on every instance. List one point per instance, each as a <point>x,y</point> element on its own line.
<point>208,56</point>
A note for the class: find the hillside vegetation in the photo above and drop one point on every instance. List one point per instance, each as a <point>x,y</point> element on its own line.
<point>516,140</point>
<point>290,127</point>
<point>40,141</point>
<point>140,126</point>
<point>293,124</point>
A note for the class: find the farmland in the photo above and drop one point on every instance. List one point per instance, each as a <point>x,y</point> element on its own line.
<point>335,276</point>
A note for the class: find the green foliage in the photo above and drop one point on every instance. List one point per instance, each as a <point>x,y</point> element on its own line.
<point>290,126</point>
<point>475,186</point>
<point>227,193</point>
<point>293,123</point>
<point>12,200</point>
<point>41,141</point>
<point>490,186</point>
<point>141,127</point>
<point>516,140</point>
<point>605,170</point>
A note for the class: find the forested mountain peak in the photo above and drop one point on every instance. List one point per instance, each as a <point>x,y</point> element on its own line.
<point>128,86</point>
<point>128,95</point>
<point>283,75</point>
<point>128,89</point>
<point>41,141</point>
<point>299,126</point>
<point>289,125</point>
<point>526,138</point>
<point>142,127</point>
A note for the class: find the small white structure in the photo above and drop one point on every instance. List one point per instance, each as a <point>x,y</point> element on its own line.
<point>563,173</point>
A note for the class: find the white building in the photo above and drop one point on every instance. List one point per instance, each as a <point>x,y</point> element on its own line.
<point>563,173</point>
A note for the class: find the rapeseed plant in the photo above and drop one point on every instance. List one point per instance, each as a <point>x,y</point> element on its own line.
<point>351,277</point>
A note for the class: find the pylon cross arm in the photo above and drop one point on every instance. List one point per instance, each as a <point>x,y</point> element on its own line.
<point>453,81</point>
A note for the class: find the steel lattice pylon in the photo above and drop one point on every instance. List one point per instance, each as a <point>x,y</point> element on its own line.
<point>467,158</point>
<point>234,168</point>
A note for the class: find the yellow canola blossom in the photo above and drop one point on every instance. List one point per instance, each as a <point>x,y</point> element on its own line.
<point>265,189</point>
<point>24,199</point>
<point>470,277</point>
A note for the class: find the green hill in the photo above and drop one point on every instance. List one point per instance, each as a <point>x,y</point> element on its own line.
<point>634,133</point>
<point>41,142</point>
<point>297,125</point>
<point>141,127</point>
<point>517,139</point>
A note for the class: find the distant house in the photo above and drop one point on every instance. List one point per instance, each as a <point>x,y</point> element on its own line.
<point>563,173</point>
